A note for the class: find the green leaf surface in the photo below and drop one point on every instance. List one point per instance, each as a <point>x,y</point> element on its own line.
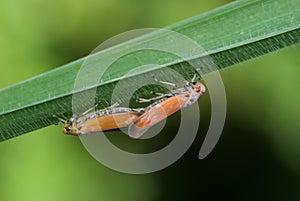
<point>229,35</point>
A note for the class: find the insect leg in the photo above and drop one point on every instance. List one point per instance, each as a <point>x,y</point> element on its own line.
<point>141,110</point>
<point>166,83</point>
<point>144,100</point>
<point>116,104</point>
<point>96,105</point>
<point>88,110</point>
<point>156,93</point>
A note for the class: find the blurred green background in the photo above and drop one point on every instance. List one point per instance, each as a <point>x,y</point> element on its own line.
<point>257,156</point>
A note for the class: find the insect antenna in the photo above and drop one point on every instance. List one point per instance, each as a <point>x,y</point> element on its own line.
<point>59,119</point>
<point>195,75</point>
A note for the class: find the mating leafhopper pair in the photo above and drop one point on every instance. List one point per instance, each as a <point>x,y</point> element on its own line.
<point>137,120</point>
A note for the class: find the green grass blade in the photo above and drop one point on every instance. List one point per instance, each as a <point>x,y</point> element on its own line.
<point>231,34</point>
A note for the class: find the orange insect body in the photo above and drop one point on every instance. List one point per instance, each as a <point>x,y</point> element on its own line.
<point>101,120</point>
<point>161,109</point>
